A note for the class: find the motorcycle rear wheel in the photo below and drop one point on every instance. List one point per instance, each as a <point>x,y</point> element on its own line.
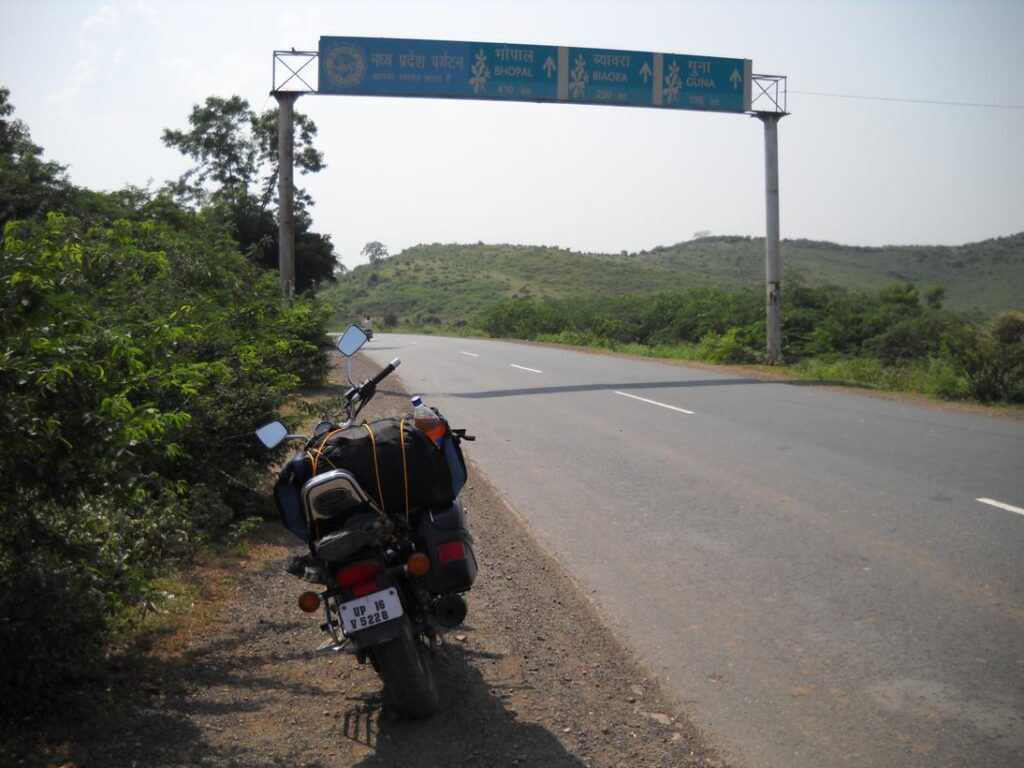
<point>406,667</point>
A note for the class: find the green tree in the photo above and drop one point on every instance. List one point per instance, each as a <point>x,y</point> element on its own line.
<point>29,185</point>
<point>306,157</point>
<point>934,295</point>
<point>235,151</point>
<point>375,251</point>
<point>235,175</point>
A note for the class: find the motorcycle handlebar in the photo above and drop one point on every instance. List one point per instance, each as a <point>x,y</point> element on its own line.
<point>387,370</point>
<point>356,398</point>
<point>364,392</point>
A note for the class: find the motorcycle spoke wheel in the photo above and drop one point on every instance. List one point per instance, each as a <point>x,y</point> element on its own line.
<point>406,666</point>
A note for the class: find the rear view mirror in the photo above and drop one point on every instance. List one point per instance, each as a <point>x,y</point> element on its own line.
<point>351,340</point>
<point>272,434</point>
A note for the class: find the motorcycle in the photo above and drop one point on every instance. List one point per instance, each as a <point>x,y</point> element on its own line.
<point>390,584</point>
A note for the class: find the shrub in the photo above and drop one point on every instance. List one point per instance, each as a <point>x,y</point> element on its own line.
<point>943,380</point>
<point>138,356</point>
<point>733,347</point>
<point>992,360</point>
<point>890,339</point>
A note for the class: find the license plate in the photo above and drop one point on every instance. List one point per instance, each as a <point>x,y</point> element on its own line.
<point>369,611</point>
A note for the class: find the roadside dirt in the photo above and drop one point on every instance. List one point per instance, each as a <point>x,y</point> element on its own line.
<point>533,678</point>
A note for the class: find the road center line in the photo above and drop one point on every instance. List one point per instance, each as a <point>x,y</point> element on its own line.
<point>655,402</point>
<point>524,368</point>
<point>1000,505</point>
<point>471,354</point>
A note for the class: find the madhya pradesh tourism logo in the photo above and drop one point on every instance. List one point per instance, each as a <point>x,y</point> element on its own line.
<point>346,66</point>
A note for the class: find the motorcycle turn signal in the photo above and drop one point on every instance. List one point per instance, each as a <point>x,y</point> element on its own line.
<point>418,564</point>
<point>309,601</point>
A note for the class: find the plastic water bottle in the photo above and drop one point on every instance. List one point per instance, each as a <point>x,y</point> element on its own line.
<point>427,421</point>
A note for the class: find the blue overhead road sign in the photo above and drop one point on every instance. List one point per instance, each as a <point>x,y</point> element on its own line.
<point>437,68</point>
<point>369,66</point>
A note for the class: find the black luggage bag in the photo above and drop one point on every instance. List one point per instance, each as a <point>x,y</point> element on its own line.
<point>397,465</point>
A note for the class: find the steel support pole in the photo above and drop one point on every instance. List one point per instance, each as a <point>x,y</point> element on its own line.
<point>286,191</point>
<point>772,250</point>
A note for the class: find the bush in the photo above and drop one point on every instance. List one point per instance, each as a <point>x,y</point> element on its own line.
<point>992,360</point>
<point>138,356</point>
<point>859,370</point>
<point>733,347</point>
<point>72,569</point>
<point>891,339</point>
<point>943,380</point>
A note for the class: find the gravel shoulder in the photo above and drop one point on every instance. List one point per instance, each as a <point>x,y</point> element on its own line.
<point>532,678</point>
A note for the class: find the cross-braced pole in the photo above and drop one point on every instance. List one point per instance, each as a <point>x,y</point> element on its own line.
<point>286,191</point>
<point>773,258</point>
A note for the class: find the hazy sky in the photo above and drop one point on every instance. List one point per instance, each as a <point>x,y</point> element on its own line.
<point>98,81</point>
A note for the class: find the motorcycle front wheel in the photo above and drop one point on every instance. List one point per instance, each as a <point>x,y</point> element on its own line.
<point>406,667</point>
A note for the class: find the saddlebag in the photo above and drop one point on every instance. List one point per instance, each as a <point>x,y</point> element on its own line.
<point>441,533</point>
<point>288,495</point>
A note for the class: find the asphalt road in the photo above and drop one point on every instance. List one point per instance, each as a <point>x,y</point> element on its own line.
<point>810,572</point>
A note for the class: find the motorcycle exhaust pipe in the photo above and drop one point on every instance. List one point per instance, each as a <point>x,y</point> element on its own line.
<point>450,611</point>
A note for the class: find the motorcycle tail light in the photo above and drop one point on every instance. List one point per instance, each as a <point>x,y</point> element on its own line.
<point>451,550</point>
<point>366,588</point>
<point>358,573</point>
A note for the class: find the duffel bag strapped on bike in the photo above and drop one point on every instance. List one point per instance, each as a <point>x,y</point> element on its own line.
<point>397,465</point>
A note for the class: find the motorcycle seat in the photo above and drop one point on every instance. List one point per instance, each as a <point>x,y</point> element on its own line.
<point>358,532</point>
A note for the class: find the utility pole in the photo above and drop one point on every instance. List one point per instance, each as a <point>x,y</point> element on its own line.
<point>286,191</point>
<point>772,255</point>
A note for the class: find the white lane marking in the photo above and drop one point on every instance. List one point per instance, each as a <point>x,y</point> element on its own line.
<point>655,402</point>
<point>413,342</point>
<point>471,354</point>
<point>1000,505</point>
<point>524,368</point>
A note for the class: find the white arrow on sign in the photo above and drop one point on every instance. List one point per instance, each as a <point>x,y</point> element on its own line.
<point>550,66</point>
<point>735,78</point>
<point>645,72</point>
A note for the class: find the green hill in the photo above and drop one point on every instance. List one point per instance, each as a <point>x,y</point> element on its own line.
<point>448,284</point>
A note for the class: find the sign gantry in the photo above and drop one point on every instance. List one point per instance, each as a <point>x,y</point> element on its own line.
<point>368,66</point>
<point>449,69</point>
